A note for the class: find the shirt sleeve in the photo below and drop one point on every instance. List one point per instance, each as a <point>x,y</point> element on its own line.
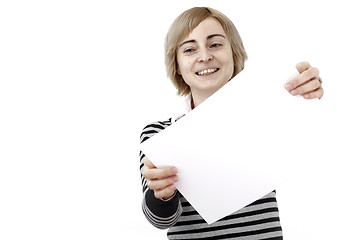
<point>161,214</point>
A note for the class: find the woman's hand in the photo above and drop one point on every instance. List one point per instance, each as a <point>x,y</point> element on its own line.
<point>160,180</point>
<point>307,84</point>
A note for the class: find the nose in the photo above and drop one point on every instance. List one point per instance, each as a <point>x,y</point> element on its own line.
<point>205,55</point>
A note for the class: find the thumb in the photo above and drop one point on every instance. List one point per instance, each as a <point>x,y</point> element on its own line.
<point>302,66</point>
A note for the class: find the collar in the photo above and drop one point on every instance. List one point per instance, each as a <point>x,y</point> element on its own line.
<point>188,103</point>
<point>188,106</point>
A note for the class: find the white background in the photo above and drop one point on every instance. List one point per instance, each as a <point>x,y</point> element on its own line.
<point>80,79</point>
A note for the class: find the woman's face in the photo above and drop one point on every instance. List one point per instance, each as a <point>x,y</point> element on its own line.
<point>205,58</point>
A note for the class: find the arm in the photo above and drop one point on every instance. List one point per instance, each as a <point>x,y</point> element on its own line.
<point>159,212</point>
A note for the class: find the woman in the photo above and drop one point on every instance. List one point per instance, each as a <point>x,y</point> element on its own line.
<point>203,52</point>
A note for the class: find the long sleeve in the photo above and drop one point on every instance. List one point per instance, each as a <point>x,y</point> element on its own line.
<point>161,214</point>
<point>258,220</point>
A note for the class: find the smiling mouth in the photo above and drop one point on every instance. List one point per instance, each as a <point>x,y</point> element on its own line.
<point>207,71</point>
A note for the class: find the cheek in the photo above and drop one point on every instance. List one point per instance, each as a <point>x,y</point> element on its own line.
<point>228,58</point>
<point>186,68</point>
<point>229,62</point>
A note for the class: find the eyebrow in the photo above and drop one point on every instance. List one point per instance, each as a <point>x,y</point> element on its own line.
<point>208,37</point>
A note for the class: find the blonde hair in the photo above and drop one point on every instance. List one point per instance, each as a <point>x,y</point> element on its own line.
<point>184,25</point>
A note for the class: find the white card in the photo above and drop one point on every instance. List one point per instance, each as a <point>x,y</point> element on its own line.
<point>239,144</point>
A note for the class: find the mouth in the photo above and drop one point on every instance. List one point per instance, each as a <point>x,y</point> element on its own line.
<point>207,71</point>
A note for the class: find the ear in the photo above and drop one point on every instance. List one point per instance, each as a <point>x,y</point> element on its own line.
<point>178,70</point>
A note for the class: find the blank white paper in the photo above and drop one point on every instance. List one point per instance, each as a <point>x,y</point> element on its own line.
<point>239,144</point>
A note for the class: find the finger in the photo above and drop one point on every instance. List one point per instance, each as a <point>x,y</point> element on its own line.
<point>147,166</point>
<point>165,193</point>
<point>159,173</point>
<point>148,163</point>
<point>158,185</point>
<point>307,75</point>
<point>314,94</point>
<point>302,66</point>
<point>306,87</point>
<point>144,171</point>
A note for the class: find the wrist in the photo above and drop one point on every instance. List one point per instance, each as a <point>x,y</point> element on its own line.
<point>169,198</point>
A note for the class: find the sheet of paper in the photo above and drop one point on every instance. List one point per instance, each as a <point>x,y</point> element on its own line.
<point>239,144</point>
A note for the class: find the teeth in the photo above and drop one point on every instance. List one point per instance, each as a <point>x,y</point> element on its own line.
<point>207,71</point>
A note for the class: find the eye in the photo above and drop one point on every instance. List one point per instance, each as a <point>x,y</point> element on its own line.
<point>214,45</point>
<point>189,50</point>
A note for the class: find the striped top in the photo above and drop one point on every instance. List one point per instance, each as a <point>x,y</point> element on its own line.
<point>257,221</point>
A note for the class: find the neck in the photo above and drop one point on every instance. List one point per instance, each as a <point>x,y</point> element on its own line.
<point>197,99</point>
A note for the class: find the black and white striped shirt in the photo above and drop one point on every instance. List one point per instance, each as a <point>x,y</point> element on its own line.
<point>257,221</point>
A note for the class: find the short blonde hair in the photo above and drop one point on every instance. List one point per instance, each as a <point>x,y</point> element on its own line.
<point>184,25</point>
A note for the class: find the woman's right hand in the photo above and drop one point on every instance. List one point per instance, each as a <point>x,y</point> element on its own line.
<point>160,180</point>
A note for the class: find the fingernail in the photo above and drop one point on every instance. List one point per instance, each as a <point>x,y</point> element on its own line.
<point>289,86</point>
<point>174,170</point>
<point>306,96</point>
<point>294,92</point>
<point>175,179</point>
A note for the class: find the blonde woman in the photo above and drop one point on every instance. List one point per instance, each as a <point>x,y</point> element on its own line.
<point>203,52</point>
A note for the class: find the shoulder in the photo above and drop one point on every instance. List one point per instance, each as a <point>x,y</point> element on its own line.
<point>153,128</point>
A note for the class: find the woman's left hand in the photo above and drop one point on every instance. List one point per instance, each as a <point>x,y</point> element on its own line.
<point>307,84</point>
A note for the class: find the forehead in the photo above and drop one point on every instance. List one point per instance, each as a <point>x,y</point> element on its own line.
<point>205,28</point>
